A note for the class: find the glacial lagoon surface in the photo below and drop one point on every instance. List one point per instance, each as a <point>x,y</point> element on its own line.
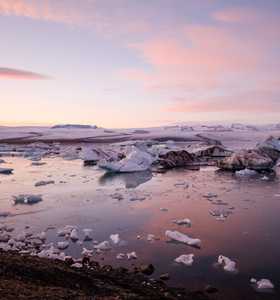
<point>234,217</point>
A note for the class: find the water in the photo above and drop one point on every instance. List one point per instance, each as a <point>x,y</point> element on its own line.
<point>82,196</point>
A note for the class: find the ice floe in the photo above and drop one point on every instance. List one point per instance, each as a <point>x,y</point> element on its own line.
<point>182,238</point>
<point>44,182</point>
<point>185,259</point>
<point>228,264</point>
<point>27,199</point>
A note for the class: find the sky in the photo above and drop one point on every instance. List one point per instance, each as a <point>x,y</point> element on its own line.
<point>139,63</point>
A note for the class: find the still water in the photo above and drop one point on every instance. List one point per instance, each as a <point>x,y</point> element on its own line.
<point>131,205</point>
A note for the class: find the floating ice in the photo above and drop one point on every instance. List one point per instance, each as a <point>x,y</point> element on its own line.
<point>151,237</point>
<point>131,255</point>
<point>135,161</point>
<point>44,182</point>
<point>228,264</point>
<point>115,238</point>
<point>6,171</point>
<point>120,256</point>
<point>246,173</point>
<point>183,238</point>
<point>62,245</point>
<point>103,246</point>
<point>66,230</point>
<point>186,222</point>
<point>186,259</point>
<point>87,253</point>
<point>87,232</point>
<point>74,236</point>
<point>264,284</point>
<point>27,199</point>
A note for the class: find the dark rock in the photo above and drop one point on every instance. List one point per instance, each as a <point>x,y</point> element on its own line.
<point>147,269</point>
<point>175,158</point>
<point>210,289</point>
<point>164,276</point>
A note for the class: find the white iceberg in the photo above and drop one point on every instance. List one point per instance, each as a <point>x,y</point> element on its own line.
<point>228,264</point>
<point>135,161</point>
<point>186,259</point>
<point>182,238</point>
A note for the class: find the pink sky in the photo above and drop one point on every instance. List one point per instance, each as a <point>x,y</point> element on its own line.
<point>128,64</point>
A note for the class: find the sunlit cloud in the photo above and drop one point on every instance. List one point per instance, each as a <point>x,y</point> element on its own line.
<point>8,73</point>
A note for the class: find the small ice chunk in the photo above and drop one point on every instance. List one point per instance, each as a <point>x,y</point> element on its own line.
<point>77,265</point>
<point>183,238</point>
<point>62,245</point>
<point>151,237</point>
<point>6,171</point>
<point>74,236</point>
<point>131,255</point>
<point>66,230</point>
<point>228,264</point>
<point>27,199</point>
<point>210,195</point>
<point>103,246</point>
<point>44,182</point>
<point>186,259</point>
<point>115,238</point>
<point>42,236</point>
<point>120,256</point>
<point>87,253</point>
<point>246,173</point>
<point>87,232</point>
<point>253,280</point>
<point>186,222</point>
<point>264,284</point>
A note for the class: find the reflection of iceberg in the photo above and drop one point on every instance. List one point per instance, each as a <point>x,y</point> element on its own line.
<point>130,180</point>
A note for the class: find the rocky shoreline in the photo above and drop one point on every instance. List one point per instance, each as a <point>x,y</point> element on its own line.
<point>27,277</point>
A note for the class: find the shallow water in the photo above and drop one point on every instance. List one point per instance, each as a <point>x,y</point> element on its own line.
<point>82,196</point>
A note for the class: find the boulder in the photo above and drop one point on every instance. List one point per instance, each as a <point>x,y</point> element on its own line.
<point>251,159</point>
<point>175,158</point>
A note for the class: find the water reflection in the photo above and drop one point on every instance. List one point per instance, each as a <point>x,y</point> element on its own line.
<point>130,180</point>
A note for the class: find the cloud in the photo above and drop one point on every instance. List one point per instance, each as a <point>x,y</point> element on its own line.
<point>41,10</point>
<point>8,73</point>
<point>237,15</point>
<point>250,101</point>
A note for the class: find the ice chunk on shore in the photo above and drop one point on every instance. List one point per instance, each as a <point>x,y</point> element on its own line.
<point>87,232</point>
<point>87,253</point>
<point>74,236</point>
<point>186,259</point>
<point>182,238</point>
<point>228,264</point>
<point>66,230</point>
<point>62,245</point>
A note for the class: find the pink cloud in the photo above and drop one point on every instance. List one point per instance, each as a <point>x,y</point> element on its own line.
<point>237,15</point>
<point>8,73</point>
<point>254,102</point>
<point>43,10</point>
